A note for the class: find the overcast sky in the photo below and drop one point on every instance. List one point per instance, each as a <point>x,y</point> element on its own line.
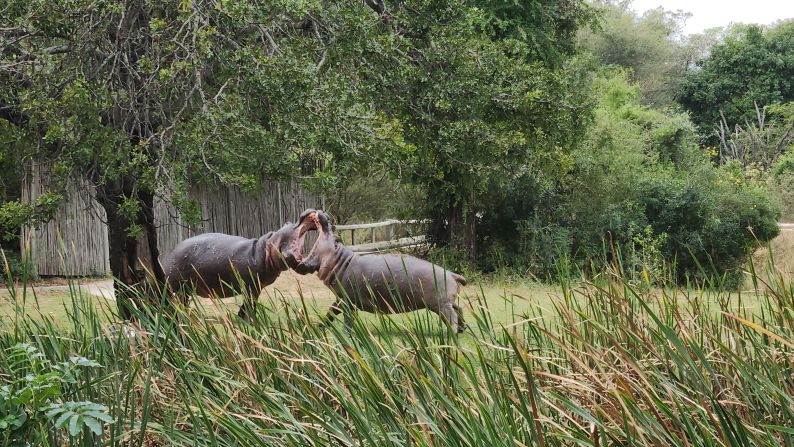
<point>710,13</point>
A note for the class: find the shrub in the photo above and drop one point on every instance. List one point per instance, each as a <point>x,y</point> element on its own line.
<point>639,193</point>
<point>781,184</point>
<point>32,404</point>
<point>455,260</point>
<point>13,267</point>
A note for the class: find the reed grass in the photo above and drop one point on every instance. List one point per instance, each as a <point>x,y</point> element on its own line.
<point>608,364</point>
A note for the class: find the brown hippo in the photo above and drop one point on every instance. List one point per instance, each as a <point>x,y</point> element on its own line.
<point>220,265</point>
<point>389,283</point>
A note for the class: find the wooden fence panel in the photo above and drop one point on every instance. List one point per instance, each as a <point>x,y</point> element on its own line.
<point>232,211</point>
<point>75,242</point>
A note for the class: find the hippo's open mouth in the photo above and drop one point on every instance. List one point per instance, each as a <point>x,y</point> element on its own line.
<point>315,220</point>
<point>310,222</point>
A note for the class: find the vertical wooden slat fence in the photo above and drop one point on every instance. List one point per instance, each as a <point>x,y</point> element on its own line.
<point>75,242</point>
<point>232,211</point>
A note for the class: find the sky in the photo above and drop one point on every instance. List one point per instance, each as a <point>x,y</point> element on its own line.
<point>711,13</point>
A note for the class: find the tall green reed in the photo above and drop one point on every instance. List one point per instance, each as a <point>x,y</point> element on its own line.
<point>610,364</point>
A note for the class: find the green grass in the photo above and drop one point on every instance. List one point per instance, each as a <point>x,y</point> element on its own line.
<point>504,303</point>
<point>584,364</point>
<point>49,305</point>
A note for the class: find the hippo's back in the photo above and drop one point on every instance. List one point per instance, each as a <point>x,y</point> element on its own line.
<point>416,283</point>
<point>210,259</point>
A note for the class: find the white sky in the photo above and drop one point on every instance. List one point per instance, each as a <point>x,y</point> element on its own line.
<point>711,13</point>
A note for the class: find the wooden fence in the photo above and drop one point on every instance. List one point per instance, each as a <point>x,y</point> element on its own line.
<point>382,236</point>
<point>232,211</point>
<point>75,242</point>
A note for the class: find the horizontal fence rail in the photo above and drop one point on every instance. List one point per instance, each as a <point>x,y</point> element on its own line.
<point>385,235</point>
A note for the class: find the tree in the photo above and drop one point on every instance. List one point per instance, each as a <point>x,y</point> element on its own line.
<point>474,104</point>
<point>142,98</point>
<point>753,66</point>
<point>547,27</point>
<point>651,46</point>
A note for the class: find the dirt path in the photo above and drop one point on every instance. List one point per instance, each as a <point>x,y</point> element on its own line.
<point>289,284</point>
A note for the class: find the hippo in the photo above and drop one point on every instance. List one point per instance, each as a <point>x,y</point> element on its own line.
<point>221,265</point>
<point>380,283</point>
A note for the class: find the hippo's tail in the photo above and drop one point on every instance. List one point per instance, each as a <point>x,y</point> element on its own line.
<point>459,279</point>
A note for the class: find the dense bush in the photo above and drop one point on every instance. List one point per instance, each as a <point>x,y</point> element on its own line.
<point>781,184</point>
<point>639,192</point>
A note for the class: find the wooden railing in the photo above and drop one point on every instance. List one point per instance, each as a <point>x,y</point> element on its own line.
<point>388,239</point>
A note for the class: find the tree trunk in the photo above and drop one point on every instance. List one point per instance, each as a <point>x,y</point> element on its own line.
<point>137,274</point>
<point>146,219</point>
<point>123,250</point>
<point>462,230</point>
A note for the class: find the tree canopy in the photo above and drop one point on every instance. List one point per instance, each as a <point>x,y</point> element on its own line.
<point>752,66</point>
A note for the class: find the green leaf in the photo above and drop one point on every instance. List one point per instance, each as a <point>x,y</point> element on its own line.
<point>99,415</point>
<point>93,424</point>
<point>75,427</point>
<point>82,361</point>
<point>63,419</point>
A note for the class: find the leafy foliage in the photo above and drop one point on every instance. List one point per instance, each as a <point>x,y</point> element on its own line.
<point>649,46</point>
<point>14,214</point>
<point>77,415</point>
<point>638,169</point>
<point>753,66</point>
<point>546,27</point>
<point>32,397</point>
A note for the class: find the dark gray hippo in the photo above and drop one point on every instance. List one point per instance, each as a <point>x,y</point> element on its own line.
<point>220,265</point>
<point>388,283</point>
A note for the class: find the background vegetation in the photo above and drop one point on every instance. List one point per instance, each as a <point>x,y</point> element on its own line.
<point>554,135</point>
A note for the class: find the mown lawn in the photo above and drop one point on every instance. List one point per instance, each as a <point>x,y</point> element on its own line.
<point>504,303</point>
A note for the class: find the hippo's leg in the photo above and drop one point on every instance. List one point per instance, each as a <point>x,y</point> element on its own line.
<point>333,311</point>
<point>336,308</point>
<point>461,323</point>
<point>448,313</point>
<point>250,298</point>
